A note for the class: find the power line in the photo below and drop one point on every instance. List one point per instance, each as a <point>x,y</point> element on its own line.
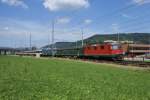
<point>113,13</point>
<point>132,23</point>
<point>109,14</point>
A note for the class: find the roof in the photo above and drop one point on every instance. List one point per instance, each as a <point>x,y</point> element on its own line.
<point>6,48</point>
<point>103,44</point>
<point>140,51</point>
<point>139,45</point>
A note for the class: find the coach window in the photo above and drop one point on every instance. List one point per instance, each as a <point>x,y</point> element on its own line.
<point>102,47</point>
<point>95,48</point>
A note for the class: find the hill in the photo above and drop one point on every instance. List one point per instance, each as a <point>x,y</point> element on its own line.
<point>136,37</point>
<point>61,45</point>
<point>143,38</point>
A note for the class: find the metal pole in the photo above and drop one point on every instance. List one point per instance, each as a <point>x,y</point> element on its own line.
<point>118,37</point>
<point>82,37</point>
<point>132,46</point>
<point>30,42</point>
<point>53,31</point>
<point>149,44</point>
<point>76,44</point>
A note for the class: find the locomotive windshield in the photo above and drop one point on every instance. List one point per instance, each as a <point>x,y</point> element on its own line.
<point>115,47</point>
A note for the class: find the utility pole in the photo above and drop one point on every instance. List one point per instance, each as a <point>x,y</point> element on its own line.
<point>149,45</point>
<point>25,41</point>
<point>76,44</point>
<point>30,42</point>
<point>118,37</point>
<point>82,37</point>
<point>53,31</point>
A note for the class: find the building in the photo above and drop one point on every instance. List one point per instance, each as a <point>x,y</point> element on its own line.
<point>136,49</point>
<point>6,51</point>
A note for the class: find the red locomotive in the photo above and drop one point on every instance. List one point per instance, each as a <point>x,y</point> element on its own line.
<point>107,50</point>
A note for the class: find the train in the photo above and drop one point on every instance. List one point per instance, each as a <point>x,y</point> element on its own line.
<point>93,51</point>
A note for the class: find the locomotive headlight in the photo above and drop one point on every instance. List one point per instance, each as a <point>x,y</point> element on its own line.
<point>123,53</point>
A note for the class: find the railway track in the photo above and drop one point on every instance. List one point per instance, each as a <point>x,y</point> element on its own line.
<point>134,63</point>
<point>126,63</point>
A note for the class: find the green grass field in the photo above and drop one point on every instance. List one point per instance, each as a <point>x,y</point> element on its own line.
<point>51,79</point>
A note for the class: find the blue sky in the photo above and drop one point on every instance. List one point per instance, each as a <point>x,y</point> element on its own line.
<point>19,18</point>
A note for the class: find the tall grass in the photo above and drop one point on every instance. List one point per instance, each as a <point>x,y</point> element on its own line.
<point>39,79</point>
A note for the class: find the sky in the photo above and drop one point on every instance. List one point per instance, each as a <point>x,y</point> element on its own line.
<point>20,18</point>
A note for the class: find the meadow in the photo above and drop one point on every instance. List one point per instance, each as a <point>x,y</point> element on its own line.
<point>54,79</point>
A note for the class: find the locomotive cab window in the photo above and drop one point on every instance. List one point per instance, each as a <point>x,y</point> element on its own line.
<point>88,48</point>
<point>115,47</point>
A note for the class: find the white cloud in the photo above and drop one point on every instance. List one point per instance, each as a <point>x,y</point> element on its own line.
<point>6,28</point>
<point>141,2</point>
<point>55,5</point>
<point>63,20</point>
<point>15,3</point>
<point>19,30</point>
<point>115,28</point>
<point>126,16</point>
<point>87,21</point>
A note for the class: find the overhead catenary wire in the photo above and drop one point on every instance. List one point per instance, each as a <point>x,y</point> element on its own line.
<point>113,13</point>
<point>110,15</point>
<point>131,23</point>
